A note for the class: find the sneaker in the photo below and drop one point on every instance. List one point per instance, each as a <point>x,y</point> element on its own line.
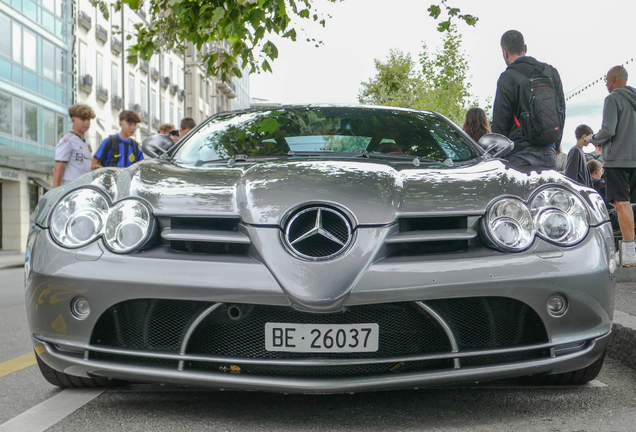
<point>628,261</point>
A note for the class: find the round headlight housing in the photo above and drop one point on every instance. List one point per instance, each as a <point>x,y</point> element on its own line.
<point>79,217</point>
<point>509,224</point>
<point>559,216</point>
<point>128,226</point>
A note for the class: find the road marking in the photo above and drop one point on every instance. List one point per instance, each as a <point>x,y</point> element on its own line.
<point>43,416</point>
<point>17,364</point>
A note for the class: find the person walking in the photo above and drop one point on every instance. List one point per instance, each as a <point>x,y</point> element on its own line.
<point>120,149</point>
<point>73,152</point>
<point>476,123</point>
<point>617,138</point>
<point>529,106</point>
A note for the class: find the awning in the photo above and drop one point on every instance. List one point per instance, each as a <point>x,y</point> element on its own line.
<point>41,183</point>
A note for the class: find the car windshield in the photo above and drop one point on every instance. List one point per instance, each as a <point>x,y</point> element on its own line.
<point>326,130</point>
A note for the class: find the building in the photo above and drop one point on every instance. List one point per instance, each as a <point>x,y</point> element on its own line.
<point>36,82</point>
<point>108,83</point>
<point>54,53</point>
<point>205,96</point>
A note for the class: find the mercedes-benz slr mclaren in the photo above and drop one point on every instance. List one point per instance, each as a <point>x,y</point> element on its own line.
<point>321,249</point>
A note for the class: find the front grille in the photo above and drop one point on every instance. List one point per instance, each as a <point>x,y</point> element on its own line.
<point>404,329</point>
<point>429,225</point>
<point>146,324</point>
<point>490,322</point>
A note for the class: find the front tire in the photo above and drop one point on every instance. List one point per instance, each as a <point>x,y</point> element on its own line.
<point>63,380</point>
<point>576,377</point>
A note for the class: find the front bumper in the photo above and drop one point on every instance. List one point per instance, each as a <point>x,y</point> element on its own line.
<point>590,351</point>
<point>55,276</point>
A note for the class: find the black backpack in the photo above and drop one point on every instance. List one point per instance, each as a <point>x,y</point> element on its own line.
<point>113,147</point>
<point>542,123</point>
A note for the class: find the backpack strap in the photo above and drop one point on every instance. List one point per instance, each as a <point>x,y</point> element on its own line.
<point>114,151</point>
<point>106,157</point>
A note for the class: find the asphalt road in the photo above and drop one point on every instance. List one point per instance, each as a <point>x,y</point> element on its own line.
<point>607,405</point>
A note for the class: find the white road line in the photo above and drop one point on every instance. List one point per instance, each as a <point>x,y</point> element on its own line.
<point>43,416</point>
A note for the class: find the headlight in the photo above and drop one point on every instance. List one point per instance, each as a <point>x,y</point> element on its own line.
<point>559,216</point>
<point>510,224</point>
<point>128,226</point>
<point>555,214</point>
<point>79,218</point>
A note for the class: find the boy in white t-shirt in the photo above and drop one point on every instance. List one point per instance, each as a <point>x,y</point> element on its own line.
<point>73,153</point>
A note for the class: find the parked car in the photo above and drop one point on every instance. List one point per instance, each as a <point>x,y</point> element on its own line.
<point>321,249</point>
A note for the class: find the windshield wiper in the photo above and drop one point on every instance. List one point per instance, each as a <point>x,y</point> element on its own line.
<point>230,162</point>
<point>415,160</point>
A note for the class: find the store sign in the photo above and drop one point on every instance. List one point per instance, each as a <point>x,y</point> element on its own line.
<point>9,174</point>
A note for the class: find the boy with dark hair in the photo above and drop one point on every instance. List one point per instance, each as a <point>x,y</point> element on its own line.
<point>187,124</point>
<point>120,150</point>
<point>73,152</point>
<point>576,166</point>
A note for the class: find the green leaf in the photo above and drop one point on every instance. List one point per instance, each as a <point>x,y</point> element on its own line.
<point>443,26</point>
<point>434,11</point>
<point>218,14</point>
<point>268,125</point>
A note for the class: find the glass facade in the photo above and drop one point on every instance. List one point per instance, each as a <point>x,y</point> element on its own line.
<point>35,76</point>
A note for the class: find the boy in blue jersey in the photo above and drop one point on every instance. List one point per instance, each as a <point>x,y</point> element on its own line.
<point>120,150</point>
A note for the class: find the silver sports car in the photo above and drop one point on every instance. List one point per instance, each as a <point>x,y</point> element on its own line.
<point>321,249</point>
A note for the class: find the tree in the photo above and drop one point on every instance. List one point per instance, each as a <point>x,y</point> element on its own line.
<point>439,84</point>
<point>245,24</point>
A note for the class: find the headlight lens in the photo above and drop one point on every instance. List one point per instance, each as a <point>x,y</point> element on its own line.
<point>79,218</point>
<point>128,226</point>
<point>556,214</point>
<point>510,224</point>
<point>559,216</point>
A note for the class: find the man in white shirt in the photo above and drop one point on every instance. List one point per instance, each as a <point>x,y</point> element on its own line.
<point>73,153</point>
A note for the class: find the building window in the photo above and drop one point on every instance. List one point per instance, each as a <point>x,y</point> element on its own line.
<point>5,113</point>
<point>61,128</point>
<point>5,36</point>
<point>30,121</point>
<point>172,119</point>
<point>131,89</point>
<point>100,71</point>
<point>30,51</point>
<point>18,116</point>
<point>17,43</point>
<point>48,59</point>
<point>48,120</point>
<point>60,55</point>
<point>180,78</point>
<point>115,80</point>
<point>172,81</point>
<point>144,96</point>
<point>153,105</point>
<point>163,111</point>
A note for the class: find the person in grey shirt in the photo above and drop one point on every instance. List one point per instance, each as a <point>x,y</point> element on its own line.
<point>617,139</point>
<point>73,152</point>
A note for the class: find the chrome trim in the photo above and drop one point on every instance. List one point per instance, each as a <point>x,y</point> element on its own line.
<point>446,327</point>
<point>212,236</point>
<point>302,362</point>
<point>192,328</point>
<point>433,235</point>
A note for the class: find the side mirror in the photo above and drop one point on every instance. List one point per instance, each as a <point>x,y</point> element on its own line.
<point>156,145</point>
<point>496,145</point>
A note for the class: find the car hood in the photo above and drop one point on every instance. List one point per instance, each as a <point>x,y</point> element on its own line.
<point>264,193</point>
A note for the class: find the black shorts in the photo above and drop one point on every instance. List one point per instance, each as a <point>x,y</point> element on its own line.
<point>620,184</point>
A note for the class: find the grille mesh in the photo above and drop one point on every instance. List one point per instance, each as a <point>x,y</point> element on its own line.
<point>491,322</point>
<point>477,323</point>
<point>318,245</point>
<point>404,329</point>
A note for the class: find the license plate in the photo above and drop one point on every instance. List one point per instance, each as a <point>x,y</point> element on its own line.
<point>322,338</point>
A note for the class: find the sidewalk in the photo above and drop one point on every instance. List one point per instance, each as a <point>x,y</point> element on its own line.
<point>11,259</point>
<point>622,346</point>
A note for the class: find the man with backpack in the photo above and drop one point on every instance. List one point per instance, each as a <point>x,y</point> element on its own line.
<point>120,150</point>
<point>529,106</point>
<point>617,139</point>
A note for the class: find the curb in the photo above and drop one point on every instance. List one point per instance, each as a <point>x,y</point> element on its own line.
<point>622,346</point>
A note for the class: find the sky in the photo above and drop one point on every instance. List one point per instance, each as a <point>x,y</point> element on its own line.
<point>582,39</point>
